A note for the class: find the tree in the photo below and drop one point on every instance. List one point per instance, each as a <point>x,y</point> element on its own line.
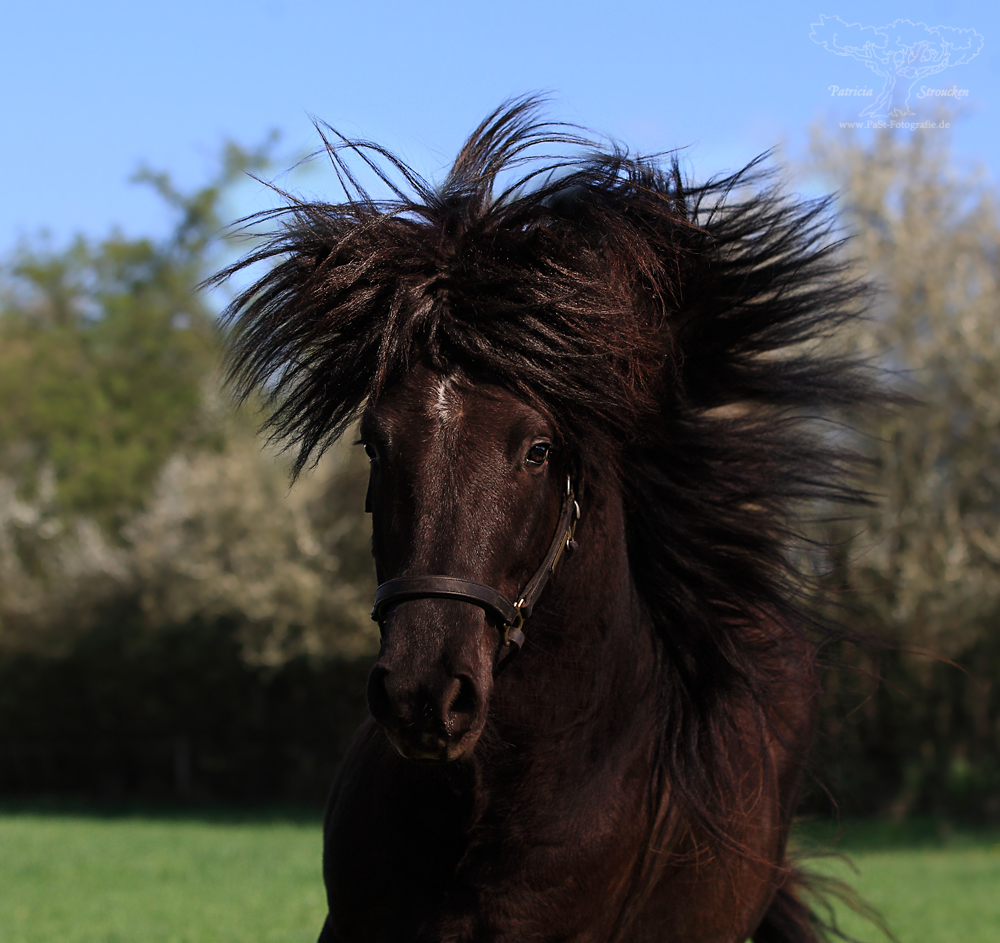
<point>106,351</point>
<point>224,537</point>
<point>926,571</point>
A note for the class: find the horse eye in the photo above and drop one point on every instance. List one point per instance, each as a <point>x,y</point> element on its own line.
<point>538,453</point>
<point>370,451</point>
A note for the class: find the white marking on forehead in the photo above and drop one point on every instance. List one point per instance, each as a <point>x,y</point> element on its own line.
<point>447,405</point>
<point>441,406</point>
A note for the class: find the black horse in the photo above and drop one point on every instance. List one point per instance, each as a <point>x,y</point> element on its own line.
<point>588,392</point>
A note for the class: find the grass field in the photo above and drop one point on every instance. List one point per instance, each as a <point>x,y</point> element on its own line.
<point>174,877</point>
<point>932,883</point>
<point>142,878</point>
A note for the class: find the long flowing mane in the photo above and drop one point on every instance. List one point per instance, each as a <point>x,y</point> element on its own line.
<point>675,331</point>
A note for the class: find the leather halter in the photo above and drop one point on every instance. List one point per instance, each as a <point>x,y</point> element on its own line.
<point>509,615</point>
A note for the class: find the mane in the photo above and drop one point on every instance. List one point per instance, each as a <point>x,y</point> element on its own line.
<point>677,332</point>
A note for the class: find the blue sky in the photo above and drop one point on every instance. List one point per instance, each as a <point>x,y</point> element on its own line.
<point>91,91</point>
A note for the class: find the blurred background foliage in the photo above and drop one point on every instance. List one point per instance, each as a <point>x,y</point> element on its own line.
<point>175,620</point>
<point>922,573</point>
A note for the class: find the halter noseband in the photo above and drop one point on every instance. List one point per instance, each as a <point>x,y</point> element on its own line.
<point>509,615</point>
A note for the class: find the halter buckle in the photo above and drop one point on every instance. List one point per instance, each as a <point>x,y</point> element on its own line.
<point>568,544</point>
<point>516,626</point>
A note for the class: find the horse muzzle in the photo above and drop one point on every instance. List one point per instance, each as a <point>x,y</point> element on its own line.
<point>433,715</point>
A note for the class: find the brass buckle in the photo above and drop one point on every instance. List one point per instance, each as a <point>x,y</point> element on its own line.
<point>508,628</point>
<point>567,541</point>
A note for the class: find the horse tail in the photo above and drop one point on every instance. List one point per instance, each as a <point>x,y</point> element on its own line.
<point>789,919</point>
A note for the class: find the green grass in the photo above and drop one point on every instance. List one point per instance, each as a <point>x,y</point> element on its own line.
<point>137,878</point>
<point>931,882</point>
<point>169,876</point>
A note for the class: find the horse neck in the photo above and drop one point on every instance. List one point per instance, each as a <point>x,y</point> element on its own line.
<point>586,673</point>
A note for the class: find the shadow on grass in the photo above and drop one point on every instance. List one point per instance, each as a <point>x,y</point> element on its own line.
<point>853,836</point>
<point>209,813</point>
<point>810,836</point>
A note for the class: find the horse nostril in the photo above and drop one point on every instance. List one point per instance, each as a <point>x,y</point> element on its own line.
<point>464,704</point>
<point>428,712</point>
<point>379,704</point>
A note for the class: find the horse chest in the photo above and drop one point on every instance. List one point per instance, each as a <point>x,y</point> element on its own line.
<point>415,853</point>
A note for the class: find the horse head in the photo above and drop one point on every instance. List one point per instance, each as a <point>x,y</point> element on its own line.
<point>467,485</point>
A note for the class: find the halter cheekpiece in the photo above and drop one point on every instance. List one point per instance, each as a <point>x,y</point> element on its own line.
<point>509,615</point>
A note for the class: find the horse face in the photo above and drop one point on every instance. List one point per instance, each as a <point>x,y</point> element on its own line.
<point>465,482</point>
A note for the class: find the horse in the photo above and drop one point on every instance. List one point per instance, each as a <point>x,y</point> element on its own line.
<point>592,394</point>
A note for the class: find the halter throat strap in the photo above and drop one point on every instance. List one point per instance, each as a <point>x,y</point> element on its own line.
<point>509,615</point>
